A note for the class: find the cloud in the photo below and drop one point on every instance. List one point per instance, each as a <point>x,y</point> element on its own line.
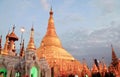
<point>93,43</point>
<point>25,4</point>
<point>45,4</point>
<point>107,6</point>
<point>74,17</point>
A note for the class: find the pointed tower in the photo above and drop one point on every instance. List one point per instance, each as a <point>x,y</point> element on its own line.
<point>12,39</point>
<point>52,50</point>
<point>104,65</point>
<point>6,45</point>
<point>105,69</point>
<point>22,50</point>
<point>51,45</point>
<point>31,45</point>
<point>51,38</point>
<point>51,28</point>
<point>114,58</point>
<point>85,70</point>
<point>94,68</point>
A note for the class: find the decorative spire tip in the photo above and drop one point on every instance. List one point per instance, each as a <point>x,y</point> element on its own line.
<point>32,29</point>
<point>51,12</point>
<point>13,27</point>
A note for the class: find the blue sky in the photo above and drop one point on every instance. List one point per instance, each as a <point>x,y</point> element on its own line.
<point>85,27</point>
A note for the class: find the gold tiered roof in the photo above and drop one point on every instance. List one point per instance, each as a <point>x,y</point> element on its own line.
<point>56,56</point>
<point>51,38</point>
<point>13,35</point>
<point>5,49</point>
<point>51,46</point>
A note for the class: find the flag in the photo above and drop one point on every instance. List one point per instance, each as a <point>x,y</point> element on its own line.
<point>96,63</point>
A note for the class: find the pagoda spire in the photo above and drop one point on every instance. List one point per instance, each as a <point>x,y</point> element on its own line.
<point>104,65</point>
<point>51,38</point>
<point>12,39</point>
<point>51,28</point>
<point>31,45</point>
<point>114,57</point>
<point>22,50</point>
<point>94,68</point>
<point>6,46</point>
<point>85,69</point>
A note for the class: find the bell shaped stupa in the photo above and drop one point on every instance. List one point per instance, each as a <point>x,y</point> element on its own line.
<point>31,45</point>
<point>57,57</point>
<point>51,45</point>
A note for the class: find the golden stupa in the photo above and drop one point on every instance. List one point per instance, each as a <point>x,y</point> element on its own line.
<point>9,47</point>
<point>57,57</point>
<point>31,45</point>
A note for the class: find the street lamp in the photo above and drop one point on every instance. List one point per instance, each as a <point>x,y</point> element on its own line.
<point>22,31</point>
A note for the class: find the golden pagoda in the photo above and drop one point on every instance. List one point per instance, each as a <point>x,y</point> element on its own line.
<point>94,68</point>
<point>22,53</point>
<point>5,49</point>
<point>115,60</point>
<point>9,47</point>
<point>57,57</point>
<point>85,70</point>
<point>31,45</point>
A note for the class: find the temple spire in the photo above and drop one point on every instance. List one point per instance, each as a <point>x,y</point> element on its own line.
<point>94,68</point>
<point>51,28</point>
<point>31,45</point>
<point>51,38</point>
<point>6,46</point>
<point>12,39</point>
<point>85,69</point>
<point>114,57</point>
<point>13,28</point>
<point>22,50</point>
<point>104,65</point>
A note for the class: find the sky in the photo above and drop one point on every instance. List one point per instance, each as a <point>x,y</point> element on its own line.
<point>86,28</point>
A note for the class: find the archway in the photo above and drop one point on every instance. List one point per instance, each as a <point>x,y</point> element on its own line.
<point>3,72</point>
<point>17,74</point>
<point>33,72</point>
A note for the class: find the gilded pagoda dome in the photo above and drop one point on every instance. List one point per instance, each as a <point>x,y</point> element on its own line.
<point>50,45</point>
<point>54,52</point>
<point>51,41</point>
<point>51,37</point>
<point>12,35</point>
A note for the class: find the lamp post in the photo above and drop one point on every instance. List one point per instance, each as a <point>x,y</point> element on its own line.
<point>22,31</point>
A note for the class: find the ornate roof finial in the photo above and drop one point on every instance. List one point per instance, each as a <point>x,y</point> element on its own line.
<point>6,45</point>
<point>51,8</point>
<point>113,52</point>
<point>51,27</point>
<point>94,67</point>
<point>104,67</point>
<point>13,27</point>
<point>32,29</point>
<point>51,33</point>
<point>31,45</point>
<point>22,49</point>
<point>51,12</point>
<point>114,57</point>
